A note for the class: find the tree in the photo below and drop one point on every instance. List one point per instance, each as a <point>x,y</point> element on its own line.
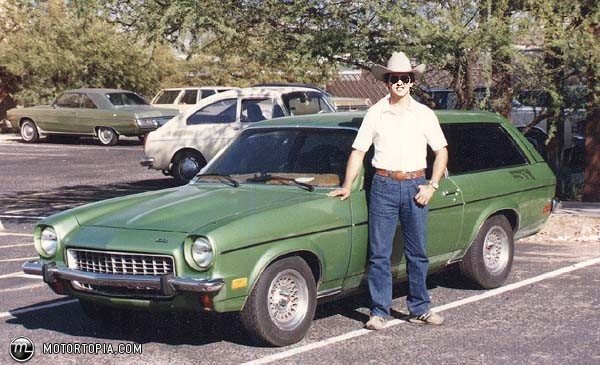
<point>49,47</point>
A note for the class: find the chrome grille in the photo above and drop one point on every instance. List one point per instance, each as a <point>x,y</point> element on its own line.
<point>119,263</point>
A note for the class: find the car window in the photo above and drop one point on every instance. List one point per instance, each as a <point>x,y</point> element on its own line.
<point>166,97</point>
<point>302,102</point>
<point>480,146</point>
<point>120,99</point>
<point>87,103</point>
<point>207,93</point>
<point>287,151</point>
<point>68,101</point>
<point>256,109</point>
<point>189,97</point>
<point>223,111</point>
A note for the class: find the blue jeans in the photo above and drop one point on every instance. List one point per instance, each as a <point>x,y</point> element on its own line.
<point>392,200</point>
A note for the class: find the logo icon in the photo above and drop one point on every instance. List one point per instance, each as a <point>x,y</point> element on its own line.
<point>22,349</point>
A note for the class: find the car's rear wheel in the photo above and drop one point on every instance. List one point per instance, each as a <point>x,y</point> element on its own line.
<point>489,259</point>
<point>282,304</point>
<point>107,136</point>
<point>29,132</point>
<point>186,165</point>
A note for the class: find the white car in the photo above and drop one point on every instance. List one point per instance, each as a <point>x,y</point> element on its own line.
<point>184,98</point>
<point>187,142</point>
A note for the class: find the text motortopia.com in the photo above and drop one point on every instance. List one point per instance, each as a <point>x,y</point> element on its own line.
<point>23,349</point>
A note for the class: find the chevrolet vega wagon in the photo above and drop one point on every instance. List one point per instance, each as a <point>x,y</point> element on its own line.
<point>255,233</point>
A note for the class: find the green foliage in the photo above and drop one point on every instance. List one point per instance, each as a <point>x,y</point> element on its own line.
<point>54,48</point>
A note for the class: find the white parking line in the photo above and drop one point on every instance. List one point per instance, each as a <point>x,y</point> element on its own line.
<point>17,245</point>
<point>5,216</point>
<point>87,147</point>
<point>34,286</point>
<point>458,303</point>
<point>35,308</point>
<point>19,259</point>
<point>35,154</point>
<point>16,234</point>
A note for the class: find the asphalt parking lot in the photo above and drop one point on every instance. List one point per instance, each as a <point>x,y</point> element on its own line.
<point>547,313</point>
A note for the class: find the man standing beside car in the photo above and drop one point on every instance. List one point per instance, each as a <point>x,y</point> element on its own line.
<point>400,129</point>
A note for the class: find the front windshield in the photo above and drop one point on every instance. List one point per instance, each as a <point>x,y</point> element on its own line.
<point>316,156</point>
<point>120,99</point>
<point>306,102</point>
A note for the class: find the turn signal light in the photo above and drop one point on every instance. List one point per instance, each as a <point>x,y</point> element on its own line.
<point>547,208</point>
<point>207,303</point>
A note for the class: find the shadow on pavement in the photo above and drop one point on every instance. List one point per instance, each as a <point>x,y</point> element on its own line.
<point>42,204</point>
<point>140,327</point>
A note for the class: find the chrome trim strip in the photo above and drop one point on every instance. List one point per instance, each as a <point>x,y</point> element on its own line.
<point>329,292</point>
<point>52,272</point>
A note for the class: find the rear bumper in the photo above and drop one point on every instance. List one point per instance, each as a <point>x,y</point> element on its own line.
<point>5,124</point>
<point>147,161</point>
<point>168,285</point>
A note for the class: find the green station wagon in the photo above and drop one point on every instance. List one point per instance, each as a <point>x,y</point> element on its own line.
<point>256,233</point>
<point>102,113</point>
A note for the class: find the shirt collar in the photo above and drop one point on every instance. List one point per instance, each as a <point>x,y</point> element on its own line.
<point>388,108</point>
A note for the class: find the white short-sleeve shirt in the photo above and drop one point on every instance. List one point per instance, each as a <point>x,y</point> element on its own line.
<point>400,137</point>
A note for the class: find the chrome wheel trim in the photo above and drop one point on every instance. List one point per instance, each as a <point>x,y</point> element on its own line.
<point>288,300</point>
<point>189,167</point>
<point>105,135</point>
<point>27,131</point>
<point>496,250</point>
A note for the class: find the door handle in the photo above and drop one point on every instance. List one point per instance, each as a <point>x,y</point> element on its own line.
<point>450,192</point>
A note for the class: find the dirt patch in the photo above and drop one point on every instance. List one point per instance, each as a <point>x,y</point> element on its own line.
<point>567,227</point>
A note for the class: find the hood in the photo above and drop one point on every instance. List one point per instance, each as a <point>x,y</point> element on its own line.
<point>145,111</point>
<point>182,209</point>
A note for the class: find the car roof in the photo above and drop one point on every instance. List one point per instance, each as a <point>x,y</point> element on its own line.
<point>262,91</point>
<point>198,88</point>
<point>96,90</point>
<point>354,119</point>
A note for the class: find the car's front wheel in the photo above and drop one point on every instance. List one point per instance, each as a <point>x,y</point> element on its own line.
<point>186,165</point>
<point>282,304</point>
<point>107,136</point>
<point>29,132</point>
<point>489,259</point>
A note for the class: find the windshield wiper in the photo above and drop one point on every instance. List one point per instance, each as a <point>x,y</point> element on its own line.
<point>268,177</point>
<point>231,180</point>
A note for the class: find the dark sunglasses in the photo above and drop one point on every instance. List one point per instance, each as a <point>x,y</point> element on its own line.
<point>404,78</point>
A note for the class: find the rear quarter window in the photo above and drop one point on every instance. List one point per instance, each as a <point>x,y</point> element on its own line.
<point>479,147</point>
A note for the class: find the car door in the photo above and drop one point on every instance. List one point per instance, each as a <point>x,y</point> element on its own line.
<point>89,116</point>
<point>210,128</point>
<point>491,171</point>
<point>62,118</point>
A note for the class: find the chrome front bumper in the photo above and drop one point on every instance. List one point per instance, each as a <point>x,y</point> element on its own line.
<point>147,161</point>
<point>167,284</point>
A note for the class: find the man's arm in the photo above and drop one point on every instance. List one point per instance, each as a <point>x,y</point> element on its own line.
<point>355,162</point>
<point>439,166</point>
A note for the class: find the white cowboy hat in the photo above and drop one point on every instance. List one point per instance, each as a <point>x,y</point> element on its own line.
<point>396,64</point>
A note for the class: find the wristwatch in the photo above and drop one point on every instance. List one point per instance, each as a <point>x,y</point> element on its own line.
<point>434,185</point>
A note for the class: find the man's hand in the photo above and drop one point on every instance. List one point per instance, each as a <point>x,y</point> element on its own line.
<point>343,192</point>
<point>424,195</point>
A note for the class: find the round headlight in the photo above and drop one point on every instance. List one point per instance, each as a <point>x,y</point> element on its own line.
<point>202,252</point>
<point>49,241</point>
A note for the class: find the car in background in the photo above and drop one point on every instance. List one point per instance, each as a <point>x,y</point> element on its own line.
<point>185,144</point>
<point>184,98</point>
<point>104,114</point>
<point>347,104</point>
<point>256,233</point>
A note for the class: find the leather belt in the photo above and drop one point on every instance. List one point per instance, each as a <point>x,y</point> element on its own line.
<point>401,175</point>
